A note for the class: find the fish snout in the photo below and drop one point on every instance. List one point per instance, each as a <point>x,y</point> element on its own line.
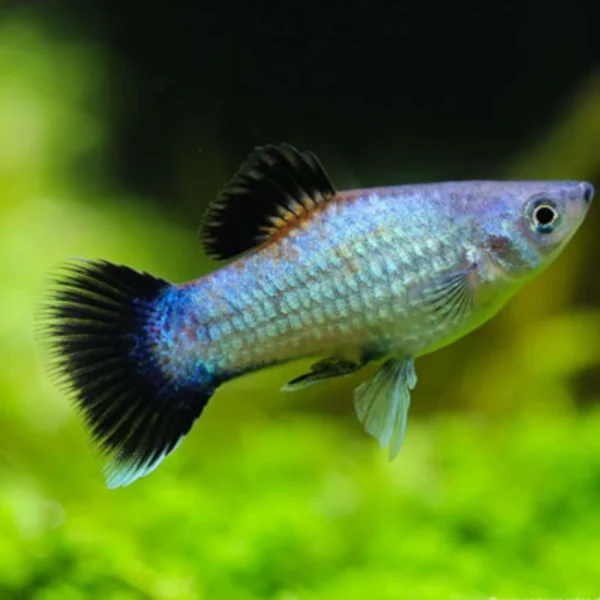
<point>587,191</point>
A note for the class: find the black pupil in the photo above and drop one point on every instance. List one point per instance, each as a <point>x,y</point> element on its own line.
<point>545,215</point>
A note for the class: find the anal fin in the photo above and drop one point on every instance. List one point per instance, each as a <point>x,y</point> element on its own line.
<point>382,403</point>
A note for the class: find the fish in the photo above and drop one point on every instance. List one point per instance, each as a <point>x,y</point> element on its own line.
<point>346,278</point>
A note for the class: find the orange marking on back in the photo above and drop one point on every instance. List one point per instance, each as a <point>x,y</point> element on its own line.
<point>289,222</point>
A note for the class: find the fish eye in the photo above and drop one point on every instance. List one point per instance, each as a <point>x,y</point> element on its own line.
<point>544,216</point>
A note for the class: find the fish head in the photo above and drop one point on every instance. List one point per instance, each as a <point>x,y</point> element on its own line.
<point>525,225</point>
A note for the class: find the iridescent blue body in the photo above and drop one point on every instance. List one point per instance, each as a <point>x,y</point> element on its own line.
<point>347,277</point>
<point>352,277</point>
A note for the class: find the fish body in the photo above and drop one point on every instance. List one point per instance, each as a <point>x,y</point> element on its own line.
<point>356,275</point>
<point>348,277</point>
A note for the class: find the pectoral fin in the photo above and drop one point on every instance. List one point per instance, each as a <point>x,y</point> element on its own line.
<point>382,403</point>
<point>324,369</point>
<point>451,296</point>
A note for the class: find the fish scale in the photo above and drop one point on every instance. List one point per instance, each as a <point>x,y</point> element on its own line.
<point>325,280</point>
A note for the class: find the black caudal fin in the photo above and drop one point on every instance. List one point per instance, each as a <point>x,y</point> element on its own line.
<point>96,324</point>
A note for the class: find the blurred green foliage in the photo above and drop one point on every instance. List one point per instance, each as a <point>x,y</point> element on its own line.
<point>496,491</point>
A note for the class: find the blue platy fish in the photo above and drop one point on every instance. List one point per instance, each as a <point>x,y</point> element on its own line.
<point>347,277</point>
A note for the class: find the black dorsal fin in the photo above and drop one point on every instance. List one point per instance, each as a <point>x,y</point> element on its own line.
<point>274,187</point>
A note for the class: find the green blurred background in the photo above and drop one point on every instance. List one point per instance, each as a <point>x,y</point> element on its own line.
<point>497,489</point>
